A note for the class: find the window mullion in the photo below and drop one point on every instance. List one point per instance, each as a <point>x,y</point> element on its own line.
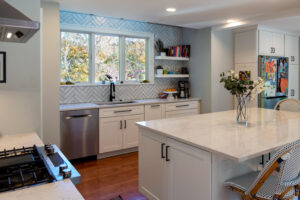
<point>92,58</point>
<point>122,58</point>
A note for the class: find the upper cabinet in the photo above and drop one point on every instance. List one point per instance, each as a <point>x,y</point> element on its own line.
<point>292,49</point>
<point>271,43</point>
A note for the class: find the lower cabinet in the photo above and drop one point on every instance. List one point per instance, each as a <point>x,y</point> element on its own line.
<point>118,133</point>
<point>166,167</point>
<point>154,111</point>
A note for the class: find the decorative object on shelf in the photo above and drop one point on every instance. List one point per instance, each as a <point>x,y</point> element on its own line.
<point>159,47</point>
<point>170,93</point>
<point>244,90</point>
<point>165,71</point>
<point>2,67</point>
<point>159,69</point>
<point>184,70</point>
<point>180,51</point>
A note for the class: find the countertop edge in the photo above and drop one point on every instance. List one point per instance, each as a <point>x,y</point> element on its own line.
<point>95,106</point>
<point>236,159</point>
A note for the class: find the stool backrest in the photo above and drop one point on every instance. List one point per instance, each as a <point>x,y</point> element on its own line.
<point>291,105</point>
<point>288,159</point>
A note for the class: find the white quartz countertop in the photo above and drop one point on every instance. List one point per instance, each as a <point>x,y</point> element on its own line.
<point>81,106</point>
<point>19,140</point>
<point>60,190</point>
<point>218,132</point>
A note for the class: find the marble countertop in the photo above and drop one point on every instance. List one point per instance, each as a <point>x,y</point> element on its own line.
<point>60,190</point>
<point>80,106</point>
<point>218,132</point>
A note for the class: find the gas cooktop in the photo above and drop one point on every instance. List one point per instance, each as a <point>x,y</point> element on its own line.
<point>29,166</point>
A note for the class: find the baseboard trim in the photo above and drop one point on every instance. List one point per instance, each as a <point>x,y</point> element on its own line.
<point>116,153</point>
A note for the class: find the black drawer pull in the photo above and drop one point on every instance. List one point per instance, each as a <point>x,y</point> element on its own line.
<point>167,153</point>
<point>162,150</point>
<point>155,106</point>
<point>182,106</point>
<point>121,111</point>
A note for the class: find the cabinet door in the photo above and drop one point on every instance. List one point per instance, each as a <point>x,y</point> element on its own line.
<point>293,81</point>
<point>130,130</point>
<point>265,43</point>
<point>181,113</point>
<point>152,165</point>
<point>188,166</point>
<point>111,136</point>
<point>292,49</point>
<point>154,111</point>
<point>278,44</point>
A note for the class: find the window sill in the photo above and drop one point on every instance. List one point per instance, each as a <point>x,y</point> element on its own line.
<point>100,84</point>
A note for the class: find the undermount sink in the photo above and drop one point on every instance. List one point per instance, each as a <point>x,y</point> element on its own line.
<point>115,102</point>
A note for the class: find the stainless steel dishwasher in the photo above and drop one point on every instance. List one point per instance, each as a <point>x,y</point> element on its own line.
<point>79,133</point>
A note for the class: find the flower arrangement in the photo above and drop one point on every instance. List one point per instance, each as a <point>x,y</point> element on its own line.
<point>242,87</point>
<point>243,90</point>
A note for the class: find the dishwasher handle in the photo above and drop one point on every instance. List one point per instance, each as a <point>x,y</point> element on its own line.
<point>79,116</point>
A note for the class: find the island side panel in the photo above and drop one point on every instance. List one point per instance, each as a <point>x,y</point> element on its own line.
<point>224,169</point>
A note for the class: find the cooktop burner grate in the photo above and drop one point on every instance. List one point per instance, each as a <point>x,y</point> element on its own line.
<point>23,167</point>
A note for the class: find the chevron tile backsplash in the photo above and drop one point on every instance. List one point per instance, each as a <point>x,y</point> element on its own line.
<point>170,35</point>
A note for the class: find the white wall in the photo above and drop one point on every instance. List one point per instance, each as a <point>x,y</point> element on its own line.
<point>20,97</point>
<point>222,50</point>
<point>211,54</point>
<point>200,65</point>
<point>50,72</point>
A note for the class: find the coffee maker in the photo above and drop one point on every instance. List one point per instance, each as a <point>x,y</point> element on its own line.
<point>184,91</point>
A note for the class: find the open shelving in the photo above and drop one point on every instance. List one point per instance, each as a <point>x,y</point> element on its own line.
<point>172,75</point>
<point>171,58</point>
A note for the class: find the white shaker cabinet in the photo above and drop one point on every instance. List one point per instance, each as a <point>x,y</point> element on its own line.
<point>183,162</point>
<point>292,49</point>
<point>271,43</point>
<point>111,134</point>
<point>154,111</point>
<point>130,130</point>
<point>176,165</point>
<point>293,83</point>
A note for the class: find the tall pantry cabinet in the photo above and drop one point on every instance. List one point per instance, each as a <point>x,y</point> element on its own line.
<point>250,42</point>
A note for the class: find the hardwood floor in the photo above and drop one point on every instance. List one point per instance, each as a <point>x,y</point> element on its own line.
<point>107,178</point>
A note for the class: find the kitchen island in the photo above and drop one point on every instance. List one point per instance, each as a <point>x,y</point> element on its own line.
<point>190,157</point>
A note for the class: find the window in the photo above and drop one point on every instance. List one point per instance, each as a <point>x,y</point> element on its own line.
<point>88,57</point>
<point>74,57</point>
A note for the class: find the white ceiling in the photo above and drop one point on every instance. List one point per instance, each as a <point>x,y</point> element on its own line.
<point>191,13</point>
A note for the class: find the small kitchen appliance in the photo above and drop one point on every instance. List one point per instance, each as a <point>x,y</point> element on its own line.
<point>183,89</point>
<point>30,166</point>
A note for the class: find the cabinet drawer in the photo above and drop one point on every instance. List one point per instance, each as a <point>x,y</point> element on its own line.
<point>121,111</point>
<point>182,106</point>
<point>154,111</point>
<point>181,113</point>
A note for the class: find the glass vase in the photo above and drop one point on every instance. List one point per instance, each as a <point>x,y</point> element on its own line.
<point>242,110</point>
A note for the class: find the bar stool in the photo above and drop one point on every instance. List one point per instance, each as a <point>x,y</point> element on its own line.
<point>291,105</point>
<point>266,185</point>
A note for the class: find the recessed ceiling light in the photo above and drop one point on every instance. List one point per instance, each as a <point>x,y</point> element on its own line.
<point>8,35</point>
<point>231,21</point>
<point>171,9</point>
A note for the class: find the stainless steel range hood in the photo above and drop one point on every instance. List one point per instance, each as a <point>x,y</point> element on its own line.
<point>14,25</point>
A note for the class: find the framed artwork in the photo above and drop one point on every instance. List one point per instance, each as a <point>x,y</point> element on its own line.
<point>2,67</point>
<point>245,75</point>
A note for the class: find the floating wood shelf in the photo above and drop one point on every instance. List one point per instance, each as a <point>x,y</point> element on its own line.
<point>172,75</point>
<point>171,58</point>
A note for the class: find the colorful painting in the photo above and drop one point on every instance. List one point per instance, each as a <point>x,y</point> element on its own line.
<point>245,75</point>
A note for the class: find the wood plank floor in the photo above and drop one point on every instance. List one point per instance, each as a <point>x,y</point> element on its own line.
<point>107,178</point>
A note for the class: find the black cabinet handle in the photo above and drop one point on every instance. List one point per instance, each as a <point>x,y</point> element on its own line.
<point>125,124</point>
<point>121,124</point>
<point>122,111</point>
<point>186,105</point>
<point>167,153</point>
<point>162,150</point>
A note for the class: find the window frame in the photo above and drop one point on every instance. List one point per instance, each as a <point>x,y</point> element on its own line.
<point>92,31</point>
